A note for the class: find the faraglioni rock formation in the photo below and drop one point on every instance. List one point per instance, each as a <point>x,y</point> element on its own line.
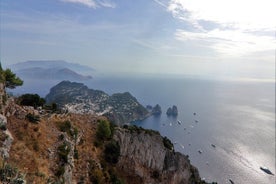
<point>145,158</point>
<point>172,111</point>
<point>156,110</point>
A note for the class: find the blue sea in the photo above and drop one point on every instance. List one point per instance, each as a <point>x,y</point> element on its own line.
<point>238,117</point>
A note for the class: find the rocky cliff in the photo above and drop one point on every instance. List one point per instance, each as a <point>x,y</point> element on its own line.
<point>65,148</point>
<point>75,97</point>
<point>146,158</point>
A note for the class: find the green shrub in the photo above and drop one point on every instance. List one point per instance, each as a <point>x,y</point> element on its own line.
<point>32,118</point>
<point>60,171</point>
<point>112,152</point>
<point>95,173</point>
<point>10,174</point>
<point>114,178</point>
<point>167,143</point>
<point>31,100</point>
<point>64,126</point>
<point>3,127</point>
<point>103,130</point>
<point>76,154</point>
<point>63,151</point>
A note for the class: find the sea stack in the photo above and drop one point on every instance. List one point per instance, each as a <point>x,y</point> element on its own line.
<point>172,111</point>
<point>156,110</point>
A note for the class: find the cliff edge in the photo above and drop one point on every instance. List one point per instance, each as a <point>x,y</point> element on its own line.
<point>147,157</point>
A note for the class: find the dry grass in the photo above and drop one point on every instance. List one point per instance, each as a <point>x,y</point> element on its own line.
<point>34,148</point>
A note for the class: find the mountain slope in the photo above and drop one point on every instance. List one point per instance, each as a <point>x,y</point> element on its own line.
<point>76,97</point>
<point>51,73</point>
<point>51,64</point>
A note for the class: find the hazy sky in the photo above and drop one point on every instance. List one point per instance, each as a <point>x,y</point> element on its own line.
<point>221,38</point>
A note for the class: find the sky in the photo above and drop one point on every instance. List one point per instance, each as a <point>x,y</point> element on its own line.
<point>214,38</point>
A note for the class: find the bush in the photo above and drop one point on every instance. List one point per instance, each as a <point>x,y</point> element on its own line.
<point>63,151</point>
<point>76,154</point>
<point>95,173</point>
<point>167,143</point>
<point>112,152</point>
<point>31,100</point>
<point>32,118</point>
<point>9,174</point>
<point>103,130</point>
<point>60,171</point>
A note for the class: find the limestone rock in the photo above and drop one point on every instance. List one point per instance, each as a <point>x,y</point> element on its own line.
<point>172,111</point>
<point>156,110</point>
<point>144,156</point>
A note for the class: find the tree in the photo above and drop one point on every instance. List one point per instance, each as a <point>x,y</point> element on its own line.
<point>31,100</point>
<point>103,130</point>
<point>9,79</point>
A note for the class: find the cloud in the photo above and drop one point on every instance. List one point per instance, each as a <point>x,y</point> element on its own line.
<point>89,3</point>
<point>246,14</point>
<point>107,4</point>
<point>228,42</point>
<point>231,28</point>
<point>93,3</point>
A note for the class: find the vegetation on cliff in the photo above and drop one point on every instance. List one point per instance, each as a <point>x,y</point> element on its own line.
<point>9,78</point>
<point>39,146</point>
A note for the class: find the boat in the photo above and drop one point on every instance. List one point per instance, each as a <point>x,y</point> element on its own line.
<point>231,181</point>
<point>266,170</point>
<point>199,151</point>
<point>214,146</point>
<point>179,122</point>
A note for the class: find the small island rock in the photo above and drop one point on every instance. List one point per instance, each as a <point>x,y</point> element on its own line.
<point>156,110</point>
<point>172,111</point>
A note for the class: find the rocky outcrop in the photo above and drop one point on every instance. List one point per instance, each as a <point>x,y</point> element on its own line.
<point>143,156</point>
<point>6,138</point>
<point>172,111</point>
<point>156,110</point>
<point>74,97</point>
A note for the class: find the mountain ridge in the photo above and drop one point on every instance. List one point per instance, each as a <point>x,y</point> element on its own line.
<point>122,108</point>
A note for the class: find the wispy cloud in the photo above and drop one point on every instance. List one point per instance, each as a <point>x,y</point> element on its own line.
<point>107,4</point>
<point>244,14</point>
<point>93,3</point>
<point>235,26</point>
<point>229,42</point>
<point>89,3</point>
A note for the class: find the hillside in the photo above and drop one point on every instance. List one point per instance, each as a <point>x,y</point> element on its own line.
<point>75,97</point>
<point>51,74</point>
<point>51,64</point>
<point>65,148</point>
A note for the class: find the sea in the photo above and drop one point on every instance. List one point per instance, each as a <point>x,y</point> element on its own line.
<point>226,127</point>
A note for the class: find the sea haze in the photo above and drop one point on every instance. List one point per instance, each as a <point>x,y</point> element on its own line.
<point>237,117</point>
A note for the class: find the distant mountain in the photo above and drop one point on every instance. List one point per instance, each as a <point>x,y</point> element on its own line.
<point>52,64</point>
<point>51,73</point>
<point>48,70</point>
<point>75,97</point>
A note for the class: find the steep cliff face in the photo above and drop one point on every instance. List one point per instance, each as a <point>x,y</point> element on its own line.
<point>145,158</point>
